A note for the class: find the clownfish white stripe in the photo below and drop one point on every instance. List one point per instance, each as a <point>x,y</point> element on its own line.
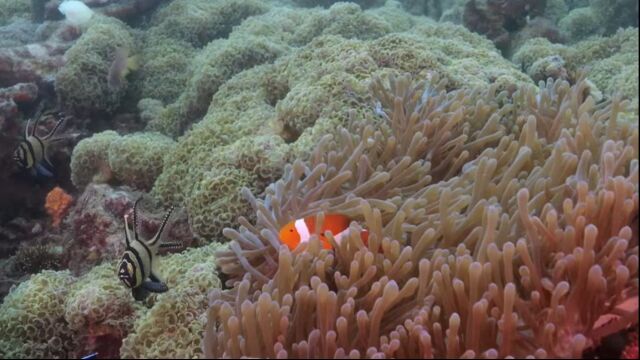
<point>338,237</point>
<point>303,230</point>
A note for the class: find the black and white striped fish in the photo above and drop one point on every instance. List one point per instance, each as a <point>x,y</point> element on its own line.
<point>32,152</point>
<point>140,261</point>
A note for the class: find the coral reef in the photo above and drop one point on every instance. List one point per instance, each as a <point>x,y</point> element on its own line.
<point>90,159</point>
<point>33,259</point>
<point>96,227</point>
<point>82,84</point>
<point>498,19</point>
<point>101,311</point>
<point>580,23</point>
<point>10,9</point>
<point>173,328</point>
<point>137,159</point>
<point>611,62</point>
<point>134,160</point>
<point>10,97</point>
<point>37,61</point>
<point>57,205</point>
<point>67,316</point>
<point>201,21</point>
<point>32,321</point>
<point>300,98</point>
<point>164,68</point>
<point>495,230</point>
<point>502,217</point>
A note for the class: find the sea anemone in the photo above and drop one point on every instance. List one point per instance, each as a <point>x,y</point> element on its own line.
<point>498,226</point>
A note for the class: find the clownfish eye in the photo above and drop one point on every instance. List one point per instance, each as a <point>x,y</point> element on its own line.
<point>290,230</point>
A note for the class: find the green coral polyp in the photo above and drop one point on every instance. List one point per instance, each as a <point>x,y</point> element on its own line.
<point>82,84</point>
<point>135,160</point>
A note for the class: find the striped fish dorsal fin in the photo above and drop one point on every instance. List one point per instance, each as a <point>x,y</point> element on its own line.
<point>135,217</point>
<point>53,131</point>
<point>171,245</point>
<point>37,115</point>
<point>156,238</point>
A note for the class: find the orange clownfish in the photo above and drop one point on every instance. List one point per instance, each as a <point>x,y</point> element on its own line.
<point>300,230</point>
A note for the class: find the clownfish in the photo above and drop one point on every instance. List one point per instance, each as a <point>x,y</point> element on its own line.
<point>299,231</point>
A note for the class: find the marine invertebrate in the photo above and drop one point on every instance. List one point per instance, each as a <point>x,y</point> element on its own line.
<point>300,98</point>
<point>134,159</point>
<point>612,62</point>
<point>35,258</point>
<point>579,24</point>
<point>201,21</point>
<point>101,311</point>
<point>36,328</point>
<point>138,159</point>
<point>82,84</point>
<point>57,205</point>
<point>90,159</point>
<point>495,230</point>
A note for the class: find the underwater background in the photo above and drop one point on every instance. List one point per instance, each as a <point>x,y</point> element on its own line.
<point>319,179</point>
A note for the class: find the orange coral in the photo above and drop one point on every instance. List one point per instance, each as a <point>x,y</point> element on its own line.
<point>57,204</point>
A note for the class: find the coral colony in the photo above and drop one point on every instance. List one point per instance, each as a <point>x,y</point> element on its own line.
<point>361,179</point>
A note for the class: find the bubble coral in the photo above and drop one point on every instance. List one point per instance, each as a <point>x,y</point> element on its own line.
<point>57,204</point>
<point>499,226</point>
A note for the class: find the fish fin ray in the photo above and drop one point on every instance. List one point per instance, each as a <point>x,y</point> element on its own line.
<point>55,129</point>
<point>156,238</point>
<point>171,245</point>
<point>42,170</point>
<point>156,287</point>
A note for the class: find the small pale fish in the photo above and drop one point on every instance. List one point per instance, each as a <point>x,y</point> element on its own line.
<point>299,231</point>
<point>120,67</point>
<point>90,356</point>
<point>138,269</point>
<point>32,152</point>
